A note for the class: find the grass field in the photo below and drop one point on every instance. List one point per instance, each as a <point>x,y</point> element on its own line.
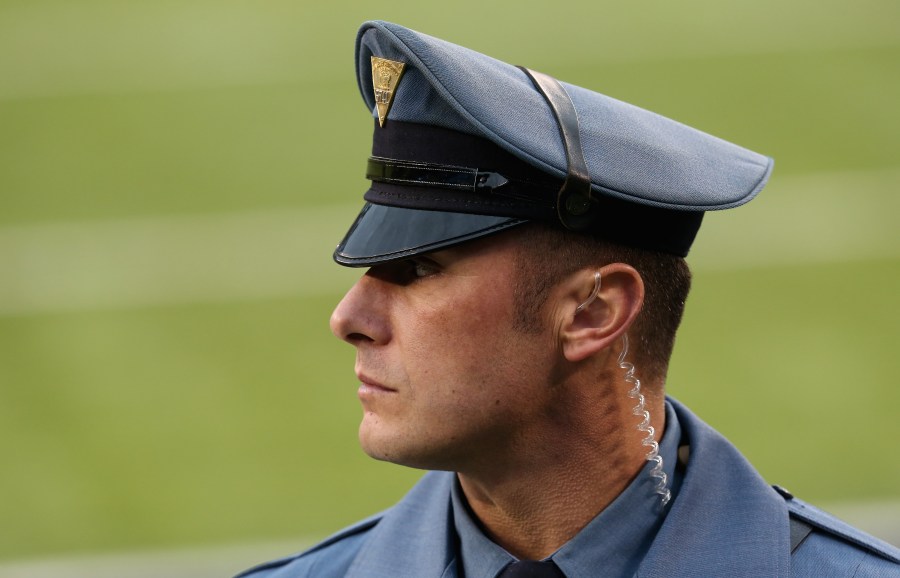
<point>173,176</point>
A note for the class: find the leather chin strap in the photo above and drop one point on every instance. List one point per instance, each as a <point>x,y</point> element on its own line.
<point>575,206</point>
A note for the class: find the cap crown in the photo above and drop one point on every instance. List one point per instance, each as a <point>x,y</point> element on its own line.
<point>632,154</point>
<point>466,146</point>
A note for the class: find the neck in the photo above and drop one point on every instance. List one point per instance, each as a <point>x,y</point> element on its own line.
<point>533,501</point>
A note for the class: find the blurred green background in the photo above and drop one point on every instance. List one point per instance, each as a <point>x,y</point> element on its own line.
<point>174,176</point>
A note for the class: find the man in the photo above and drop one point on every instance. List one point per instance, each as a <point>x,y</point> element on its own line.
<point>525,243</point>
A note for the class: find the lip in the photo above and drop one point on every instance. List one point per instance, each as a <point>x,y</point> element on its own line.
<point>368,387</point>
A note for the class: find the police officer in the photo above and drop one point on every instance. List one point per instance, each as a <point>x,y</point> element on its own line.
<point>525,244</point>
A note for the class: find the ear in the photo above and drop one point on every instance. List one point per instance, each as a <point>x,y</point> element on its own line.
<point>598,325</point>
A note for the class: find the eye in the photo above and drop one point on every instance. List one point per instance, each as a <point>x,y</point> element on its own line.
<point>406,271</point>
<point>421,268</point>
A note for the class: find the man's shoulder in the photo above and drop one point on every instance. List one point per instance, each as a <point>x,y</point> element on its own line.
<point>825,545</point>
<point>414,530</point>
<point>330,557</point>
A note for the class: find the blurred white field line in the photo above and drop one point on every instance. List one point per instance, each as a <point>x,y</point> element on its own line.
<point>52,49</point>
<point>219,561</point>
<point>140,262</point>
<point>881,519</point>
<point>120,76</point>
<point>171,260</point>
<point>806,219</point>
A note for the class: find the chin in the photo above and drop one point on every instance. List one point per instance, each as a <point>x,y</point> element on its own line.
<point>393,449</point>
<point>379,444</point>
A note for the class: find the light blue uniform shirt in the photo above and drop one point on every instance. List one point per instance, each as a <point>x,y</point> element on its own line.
<point>616,540</point>
<point>723,520</point>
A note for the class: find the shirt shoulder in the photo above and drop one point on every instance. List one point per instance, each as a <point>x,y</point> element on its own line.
<point>834,548</point>
<point>331,557</point>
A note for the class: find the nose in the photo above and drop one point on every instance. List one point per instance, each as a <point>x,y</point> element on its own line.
<point>360,317</point>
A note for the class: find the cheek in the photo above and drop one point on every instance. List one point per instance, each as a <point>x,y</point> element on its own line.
<point>464,330</point>
<point>465,355</point>
<point>451,350</point>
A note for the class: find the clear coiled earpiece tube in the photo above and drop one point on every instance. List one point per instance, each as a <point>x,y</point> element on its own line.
<point>656,472</point>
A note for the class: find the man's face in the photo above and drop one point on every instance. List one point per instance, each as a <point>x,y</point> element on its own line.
<point>446,381</point>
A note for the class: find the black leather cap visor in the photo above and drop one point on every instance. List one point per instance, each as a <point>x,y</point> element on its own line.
<point>381,233</point>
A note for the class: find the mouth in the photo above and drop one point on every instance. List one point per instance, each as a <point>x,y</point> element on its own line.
<point>369,388</point>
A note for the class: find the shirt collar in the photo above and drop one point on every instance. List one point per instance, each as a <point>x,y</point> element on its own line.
<point>481,558</point>
<point>616,540</point>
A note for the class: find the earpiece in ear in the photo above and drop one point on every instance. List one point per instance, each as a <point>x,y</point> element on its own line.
<point>592,296</point>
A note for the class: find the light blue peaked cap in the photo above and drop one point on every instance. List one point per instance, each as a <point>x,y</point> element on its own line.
<point>470,146</point>
<point>631,153</point>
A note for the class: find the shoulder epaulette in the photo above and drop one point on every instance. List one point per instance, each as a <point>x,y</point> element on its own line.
<point>821,521</point>
<point>355,529</point>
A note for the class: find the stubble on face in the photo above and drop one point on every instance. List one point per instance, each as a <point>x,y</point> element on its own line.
<point>458,384</point>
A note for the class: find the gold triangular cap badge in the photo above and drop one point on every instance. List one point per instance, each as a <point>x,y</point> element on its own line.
<point>385,78</point>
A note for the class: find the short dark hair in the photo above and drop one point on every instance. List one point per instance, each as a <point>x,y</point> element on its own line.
<point>550,253</point>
